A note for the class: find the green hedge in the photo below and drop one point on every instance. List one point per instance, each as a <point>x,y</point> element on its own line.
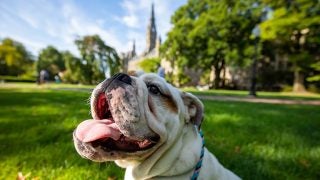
<point>16,79</point>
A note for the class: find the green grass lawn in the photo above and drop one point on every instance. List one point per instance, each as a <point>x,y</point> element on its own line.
<point>256,141</point>
<point>261,94</point>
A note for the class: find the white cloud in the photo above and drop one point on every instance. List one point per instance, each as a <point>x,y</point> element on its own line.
<point>60,24</point>
<point>130,18</point>
<point>38,23</point>
<point>78,24</point>
<point>33,46</point>
<point>30,21</point>
<point>133,12</point>
<point>131,21</point>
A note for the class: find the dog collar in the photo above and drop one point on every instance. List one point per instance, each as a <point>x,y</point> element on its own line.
<point>199,163</point>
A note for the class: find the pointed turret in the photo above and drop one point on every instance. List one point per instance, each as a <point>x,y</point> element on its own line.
<point>152,13</point>
<point>151,32</point>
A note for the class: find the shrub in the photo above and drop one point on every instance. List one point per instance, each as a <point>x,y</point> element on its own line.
<point>313,88</point>
<point>150,64</point>
<point>17,79</point>
<point>287,88</point>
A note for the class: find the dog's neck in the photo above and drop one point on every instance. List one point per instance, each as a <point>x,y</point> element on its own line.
<point>178,159</point>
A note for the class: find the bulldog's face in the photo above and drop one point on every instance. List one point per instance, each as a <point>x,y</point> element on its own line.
<point>133,117</point>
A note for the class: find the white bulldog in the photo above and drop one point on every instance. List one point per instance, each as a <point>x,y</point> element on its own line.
<point>148,127</point>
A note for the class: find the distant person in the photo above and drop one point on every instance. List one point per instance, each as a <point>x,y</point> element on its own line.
<point>57,78</point>
<point>38,79</point>
<point>44,75</point>
<point>161,71</point>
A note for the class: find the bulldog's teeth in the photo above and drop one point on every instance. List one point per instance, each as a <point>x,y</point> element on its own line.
<point>144,143</point>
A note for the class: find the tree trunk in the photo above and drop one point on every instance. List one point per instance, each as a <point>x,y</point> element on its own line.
<point>217,78</point>
<point>252,91</point>
<point>216,69</point>
<point>212,76</point>
<point>223,68</point>
<point>298,84</point>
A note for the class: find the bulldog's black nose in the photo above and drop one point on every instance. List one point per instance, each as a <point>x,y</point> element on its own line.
<point>124,78</point>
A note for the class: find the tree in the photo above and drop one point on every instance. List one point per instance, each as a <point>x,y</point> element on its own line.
<point>209,34</point>
<point>50,59</point>
<point>73,72</point>
<point>14,58</point>
<point>150,64</point>
<point>315,77</point>
<point>295,31</point>
<point>98,59</point>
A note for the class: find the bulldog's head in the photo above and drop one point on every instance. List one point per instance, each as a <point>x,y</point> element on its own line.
<point>133,116</point>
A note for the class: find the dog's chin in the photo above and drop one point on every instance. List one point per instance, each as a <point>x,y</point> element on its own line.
<point>111,144</point>
<point>110,150</point>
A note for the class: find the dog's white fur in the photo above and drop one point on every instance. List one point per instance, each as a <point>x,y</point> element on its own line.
<point>178,151</point>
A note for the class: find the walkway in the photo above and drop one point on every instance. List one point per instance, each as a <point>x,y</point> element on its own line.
<point>232,98</point>
<point>260,100</point>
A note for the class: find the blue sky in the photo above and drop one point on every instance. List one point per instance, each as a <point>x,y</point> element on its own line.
<point>38,23</point>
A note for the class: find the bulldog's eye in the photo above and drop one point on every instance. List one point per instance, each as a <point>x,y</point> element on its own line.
<point>153,89</point>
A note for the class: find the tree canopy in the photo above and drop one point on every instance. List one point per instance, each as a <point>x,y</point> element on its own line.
<point>99,60</point>
<point>208,34</point>
<point>50,59</point>
<point>150,64</point>
<point>213,34</point>
<point>74,68</point>
<point>208,38</point>
<point>14,58</point>
<point>294,30</point>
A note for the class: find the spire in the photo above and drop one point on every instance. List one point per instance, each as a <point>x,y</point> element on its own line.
<point>151,32</point>
<point>152,20</point>
<point>152,13</point>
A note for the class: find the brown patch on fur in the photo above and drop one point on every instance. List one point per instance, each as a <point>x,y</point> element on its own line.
<point>170,104</point>
<point>132,73</point>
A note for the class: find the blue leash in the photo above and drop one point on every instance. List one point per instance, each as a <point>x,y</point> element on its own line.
<point>199,164</point>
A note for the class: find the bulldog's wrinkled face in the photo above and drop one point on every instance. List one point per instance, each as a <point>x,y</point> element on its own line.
<point>132,117</point>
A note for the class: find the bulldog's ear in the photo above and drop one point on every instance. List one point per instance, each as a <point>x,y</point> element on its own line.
<point>194,108</point>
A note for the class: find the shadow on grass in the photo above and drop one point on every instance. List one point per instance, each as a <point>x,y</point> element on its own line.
<point>256,141</point>
<point>264,95</point>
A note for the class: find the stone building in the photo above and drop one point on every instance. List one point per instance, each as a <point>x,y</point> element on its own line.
<point>126,57</point>
<point>151,35</point>
<point>153,42</point>
<point>131,59</point>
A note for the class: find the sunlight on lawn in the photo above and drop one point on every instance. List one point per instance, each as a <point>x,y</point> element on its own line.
<point>261,94</point>
<point>256,141</point>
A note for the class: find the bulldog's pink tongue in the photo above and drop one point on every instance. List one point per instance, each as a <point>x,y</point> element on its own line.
<point>91,130</point>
